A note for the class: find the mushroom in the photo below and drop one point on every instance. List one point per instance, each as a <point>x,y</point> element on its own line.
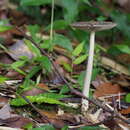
<point>92,27</point>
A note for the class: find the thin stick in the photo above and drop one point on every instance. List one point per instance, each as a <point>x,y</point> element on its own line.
<point>85,103</point>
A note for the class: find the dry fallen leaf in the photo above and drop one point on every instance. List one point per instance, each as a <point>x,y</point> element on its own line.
<point>14,75</point>
<point>43,86</point>
<point>125,4</point>
<point>109,63</point>
<point>33,92</point>
<point>3,4</point>
<point>62,59</point>
<point>121,80</point>
<point>3,101</point>
<point>125,111</point>
<point>20,122</point>
<point>98,81</point>
<point>5,112</point>
<point>107,89</point>
<point>19,49</point>
<point>5,59</point>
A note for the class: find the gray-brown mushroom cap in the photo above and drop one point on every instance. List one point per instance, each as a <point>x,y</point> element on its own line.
<point>94,25</point>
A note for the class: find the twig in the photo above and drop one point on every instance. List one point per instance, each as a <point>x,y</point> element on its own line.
<point>112,95</point>
<point>74,91</point>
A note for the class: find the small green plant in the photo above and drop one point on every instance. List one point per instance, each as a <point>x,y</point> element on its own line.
<point>50,98</point>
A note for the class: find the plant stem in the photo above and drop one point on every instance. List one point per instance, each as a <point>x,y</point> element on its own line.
<point>52,20</point>
<point>88,73</point>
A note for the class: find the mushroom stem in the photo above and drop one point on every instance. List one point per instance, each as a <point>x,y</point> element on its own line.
<point>87,81</point>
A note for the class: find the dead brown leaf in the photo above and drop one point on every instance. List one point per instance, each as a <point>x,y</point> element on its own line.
<point>33,92</point>
<point>43,86</point>
<point>3,101</point>
<point>49,114</point>
<point>6,112</point>
<point>5,59</point>
<point>107,89</point>
<point>12,120</point>
<point>3,4</point>
<point>62,59</point>
<point>114,66</point>
<point>98,81</point>
<point>14,75</point>
<point>18,18</point>
<point>57,123</point>
<point>19,49</point>
<point>125,111</point>
<point>20,122</point>
<point>121,80</point>
<point>7,37</point>
<point>123,58</point>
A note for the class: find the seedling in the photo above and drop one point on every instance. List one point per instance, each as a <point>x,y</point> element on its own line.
<point>92,27</point>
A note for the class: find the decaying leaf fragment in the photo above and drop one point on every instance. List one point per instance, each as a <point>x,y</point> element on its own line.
<point>19,49</point>
<point>109,63</point>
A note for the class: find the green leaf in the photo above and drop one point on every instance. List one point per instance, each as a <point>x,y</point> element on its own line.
<point>62,41</point>
<point>34,29</point>
<point>46,44</point>
<point>29,126</point>
<point>127,98</point>
<point>87,2</point>
<point>81,78</point>
<point>78,49</point>
<point>92,128</point>
<point>80,35</point>
<point>80,59</point>
<point>65,128</point>
<point>118,49</point>
<point>67,67</point>
<point>70,9</point>
<point>34,2</point>
<point>3,79</point>
<point>4,22</point>
<point>27,84</point>
<point>45,62</point>
<point>45,127</point>
<point>122,22</point>
<point>123,48</point>
<point>64,89</point>
<point>18,64</point>
<point>33,48</point>
<point>4,28</point>
<point>95,72</point>
<point>57,25</point>
<point>113,51</point>
<point>33,71</point>
<point>101,18</point>
<point>50,98</point>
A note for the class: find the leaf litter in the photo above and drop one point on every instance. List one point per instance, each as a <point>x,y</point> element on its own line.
<point>44,97</point>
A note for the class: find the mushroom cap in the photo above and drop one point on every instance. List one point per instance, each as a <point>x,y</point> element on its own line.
<point>94,25</point>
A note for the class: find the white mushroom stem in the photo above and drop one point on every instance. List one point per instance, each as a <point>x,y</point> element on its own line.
<point>87,81</point>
